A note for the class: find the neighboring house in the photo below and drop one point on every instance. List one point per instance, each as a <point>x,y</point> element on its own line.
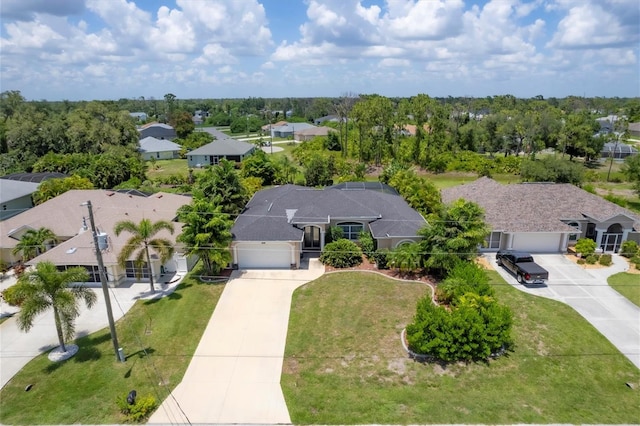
<point>546,217</point>
<point>634,130</point>
<point>608,123</point>
<point>410,129</point>
<point>279,224</point>
<point>289,130</point>
<point>68,219</point>
<point>140,117</point>
<point>211,153</point>
<point>157,130</point>
<point>617,150</point>
<point>158,149</point>
<point>15,197</point>
<point>310,133</point>
<point>266,127</point>
<point>331,118</point>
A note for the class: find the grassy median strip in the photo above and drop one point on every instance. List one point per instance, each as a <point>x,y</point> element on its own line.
<point>159,337</point>
<point>627,285</point>
<point>344,363</point>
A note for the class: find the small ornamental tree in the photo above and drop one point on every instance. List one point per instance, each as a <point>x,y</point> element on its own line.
<point>585,247</point>
<point>341,253</point>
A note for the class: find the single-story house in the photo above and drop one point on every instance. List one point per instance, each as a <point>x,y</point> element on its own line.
<point>313,132</point>
<point>617,150</point>
<point>289,130</point>
<point>266,127</point>
<point>15,197</point>
<point>411,129</point>
<point>546,217</point>
<point>139,116</point>
<point>211,153</point>
<point>158,149</point>
<point>68,219</point>
<point>634,130</point>
<point>157,130</point>
<point>279,224</point>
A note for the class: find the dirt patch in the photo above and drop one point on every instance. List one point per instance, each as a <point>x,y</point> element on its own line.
<point>484,262</point>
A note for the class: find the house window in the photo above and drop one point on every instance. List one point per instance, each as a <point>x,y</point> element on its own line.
<point>351,230</point>
<point>574,237</point>
<point>132,271</point>
<point>92,270</point>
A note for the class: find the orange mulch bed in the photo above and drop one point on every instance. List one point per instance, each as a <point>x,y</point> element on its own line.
<point>366,265</point>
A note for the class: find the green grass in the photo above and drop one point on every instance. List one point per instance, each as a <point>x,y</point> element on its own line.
<point>84,388</point>
<point>344,363</point>
<point>627,285</point>
<point>164,168</point>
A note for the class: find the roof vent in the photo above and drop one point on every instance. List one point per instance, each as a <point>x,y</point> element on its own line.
<point>71,250</point>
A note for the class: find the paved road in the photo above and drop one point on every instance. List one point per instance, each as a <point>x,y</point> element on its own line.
<point>234,376</point>
<point>587,291</point>
<point>18,348</point>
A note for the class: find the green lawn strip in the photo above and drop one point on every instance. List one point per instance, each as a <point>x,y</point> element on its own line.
<point>344,363</point>
<point>627,285</point>
<point>166,168</point>
<point>84,388</point>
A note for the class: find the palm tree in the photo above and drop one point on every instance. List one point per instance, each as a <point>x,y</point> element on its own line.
<point>34,242</point>
<point>46,287</point>
<point>142,239</point>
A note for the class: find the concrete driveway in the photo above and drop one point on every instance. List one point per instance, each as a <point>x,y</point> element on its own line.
<point>587,291</point>
<point>234,376</point>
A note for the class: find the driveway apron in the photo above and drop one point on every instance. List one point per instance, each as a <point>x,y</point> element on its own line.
<point>587,291</point>
<point>234,376</point>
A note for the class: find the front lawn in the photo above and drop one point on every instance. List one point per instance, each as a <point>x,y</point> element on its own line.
<point>158,337</point>
<point>344,363</point>
<point>627,285</point>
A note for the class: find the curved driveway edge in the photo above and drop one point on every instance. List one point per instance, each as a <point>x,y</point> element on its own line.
<point>234,376</point>
<point>588,292</point>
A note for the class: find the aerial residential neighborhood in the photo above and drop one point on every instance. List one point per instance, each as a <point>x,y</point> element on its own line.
<point>319,212</point>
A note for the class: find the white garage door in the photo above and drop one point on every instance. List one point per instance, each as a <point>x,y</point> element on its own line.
<point>537,242</point>
<point>263,255</point>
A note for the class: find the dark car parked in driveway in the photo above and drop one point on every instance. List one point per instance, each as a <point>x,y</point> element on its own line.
<point>522,265</point>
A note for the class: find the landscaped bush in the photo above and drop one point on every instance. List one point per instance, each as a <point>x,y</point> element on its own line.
<point>629,249</point>
<point>474,329</point>
<point>140,410</point>
<point>381,257</point>
<point>605,260</point>
<point>585,246</point>
<point>636,261</point>
<point>366,243</point>
<point>335,233</point>
<point>12,296</point>
<point>465,277</point>
<point>592,259</point>
<point>581,262</point>
<point>341,254</point>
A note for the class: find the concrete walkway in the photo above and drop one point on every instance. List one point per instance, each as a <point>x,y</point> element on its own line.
<point>234,376</point>
<point>587,291</point>
<point>18,348</point>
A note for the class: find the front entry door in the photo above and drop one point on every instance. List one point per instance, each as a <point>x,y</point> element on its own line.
<point>311,237</point>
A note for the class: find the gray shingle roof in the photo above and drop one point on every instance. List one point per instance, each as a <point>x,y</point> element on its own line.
<point>151,144</point>
<point>224,147</point>
<point>279,213</point>
<point>534,207</point>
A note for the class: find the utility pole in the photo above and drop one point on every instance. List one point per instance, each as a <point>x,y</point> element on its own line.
<point>105,290</point>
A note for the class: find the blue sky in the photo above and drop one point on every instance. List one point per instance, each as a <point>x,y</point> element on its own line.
<point>111,49</point>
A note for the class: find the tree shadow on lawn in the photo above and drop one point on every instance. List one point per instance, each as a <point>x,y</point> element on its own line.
<point>87,351</point>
